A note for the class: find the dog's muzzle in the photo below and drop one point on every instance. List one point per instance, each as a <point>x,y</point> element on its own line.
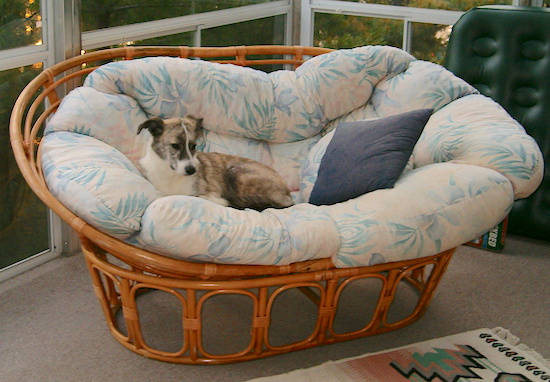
<point>184,167</point>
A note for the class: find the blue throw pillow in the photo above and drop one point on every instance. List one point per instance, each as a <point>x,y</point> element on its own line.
<point>365,156</point>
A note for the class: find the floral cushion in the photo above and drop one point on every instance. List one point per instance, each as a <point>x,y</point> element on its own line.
<point>470,163</point>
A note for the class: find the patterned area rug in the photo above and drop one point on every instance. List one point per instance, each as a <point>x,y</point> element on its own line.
<point>480,355</point>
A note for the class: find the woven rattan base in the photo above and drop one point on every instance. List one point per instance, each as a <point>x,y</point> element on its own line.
<point>120,287</point>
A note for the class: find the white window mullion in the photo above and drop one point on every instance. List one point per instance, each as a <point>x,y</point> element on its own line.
<point>62,40</point>
<point>306,23</point>
<point>197,37</point>
<point>290,27</point>
<point>18,57</point>
<point>407,35</point>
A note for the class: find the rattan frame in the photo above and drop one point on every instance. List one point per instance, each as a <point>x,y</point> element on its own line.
<point>120,272</point>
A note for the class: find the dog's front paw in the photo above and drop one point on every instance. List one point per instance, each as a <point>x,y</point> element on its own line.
<point>215,199</point>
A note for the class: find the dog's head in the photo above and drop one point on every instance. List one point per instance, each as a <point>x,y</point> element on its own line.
<point>174,140</point>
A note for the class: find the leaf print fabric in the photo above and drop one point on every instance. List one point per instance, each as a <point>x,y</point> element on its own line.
<point>467,168</point>
<point>96,182</point>
<point>478,131</point>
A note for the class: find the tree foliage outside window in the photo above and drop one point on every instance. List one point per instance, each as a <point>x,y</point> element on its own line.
<point>20,23</point>
<point>98,14</point>
<point>451,5</point>
<point>429,41</point>
<point>23,217</point>
<point>342,31</point>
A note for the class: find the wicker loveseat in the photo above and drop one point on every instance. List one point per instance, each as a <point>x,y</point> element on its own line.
<point>470,163</point>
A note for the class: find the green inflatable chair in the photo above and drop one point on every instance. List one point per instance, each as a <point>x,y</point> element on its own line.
<point>504,51</point>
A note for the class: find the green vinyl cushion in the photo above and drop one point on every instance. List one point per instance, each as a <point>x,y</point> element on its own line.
<point>504,51</point>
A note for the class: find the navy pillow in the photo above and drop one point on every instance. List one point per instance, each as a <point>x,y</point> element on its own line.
<point>365,156</point>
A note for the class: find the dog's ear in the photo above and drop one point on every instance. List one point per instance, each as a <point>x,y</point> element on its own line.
<point>154,125</point>
<point>194,124</point>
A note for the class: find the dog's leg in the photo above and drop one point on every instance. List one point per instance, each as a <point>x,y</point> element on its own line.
<point>215,199</point>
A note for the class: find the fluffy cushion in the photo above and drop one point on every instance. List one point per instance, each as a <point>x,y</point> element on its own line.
<point>364,156</point>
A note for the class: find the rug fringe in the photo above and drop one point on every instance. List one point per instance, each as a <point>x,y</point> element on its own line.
<point>514,340</point>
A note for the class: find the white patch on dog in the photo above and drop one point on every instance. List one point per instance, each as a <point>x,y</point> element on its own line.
<point>163,177</point>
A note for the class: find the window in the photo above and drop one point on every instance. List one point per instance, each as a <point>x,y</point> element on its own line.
<point>421,27</point>
<point>23,217</point>
<point>24,228</point>
<point>347,31</point>
<point>266,31</point>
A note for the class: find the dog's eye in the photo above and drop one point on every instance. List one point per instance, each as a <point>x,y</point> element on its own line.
<point>175,146</point>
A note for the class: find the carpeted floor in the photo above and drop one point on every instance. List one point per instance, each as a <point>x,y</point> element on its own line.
<point>52,329</point>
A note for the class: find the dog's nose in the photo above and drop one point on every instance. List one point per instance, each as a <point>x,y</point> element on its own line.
<point>190,170</point>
